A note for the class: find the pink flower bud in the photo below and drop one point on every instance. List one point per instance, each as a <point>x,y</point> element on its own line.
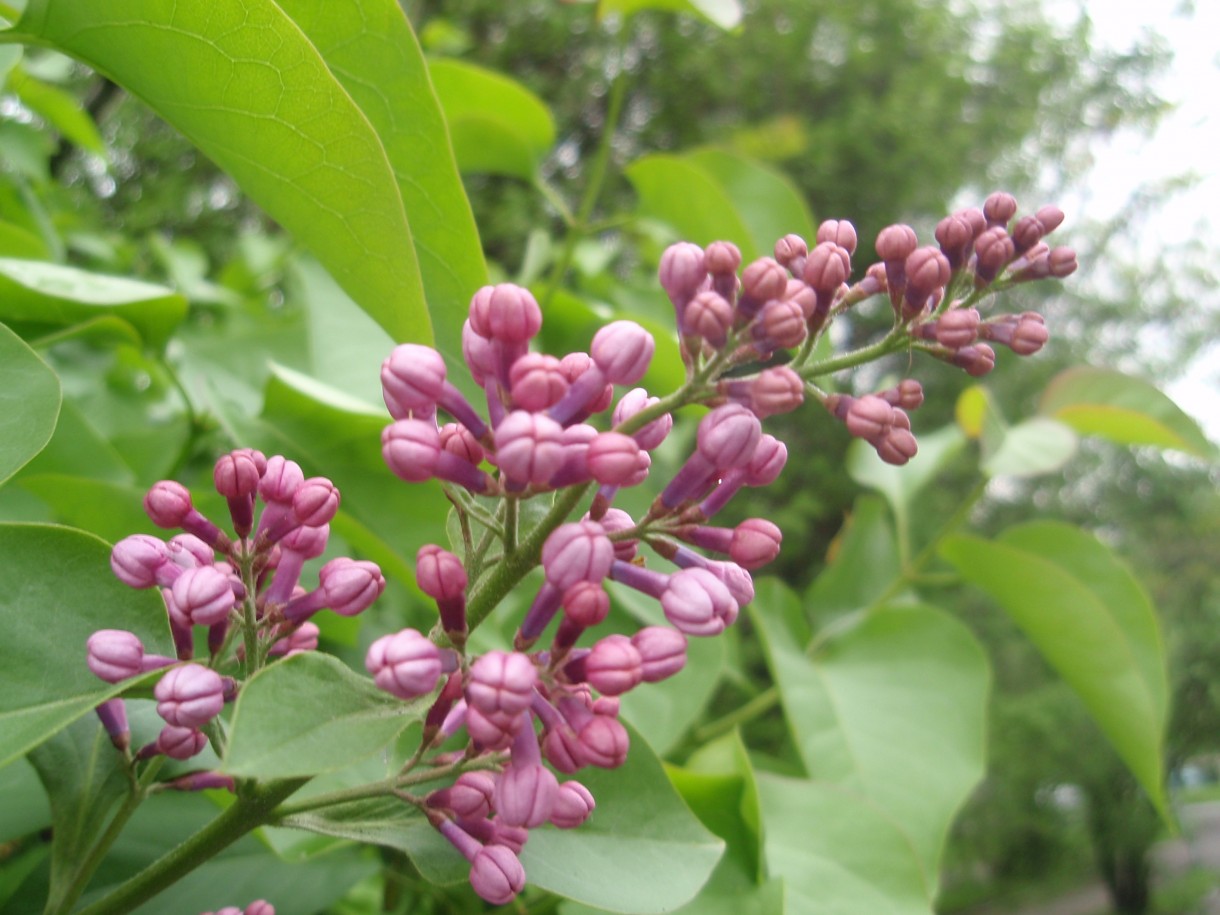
<point>993,250</point>
<point>574,552</point>
<point>1062,262</point>
<point>141,561</point>
<point>537,382</point>
<point>622,350</point>
<point>1024,334</point>
<point>168,503</point>
<point>780,325</point>
<point>612,667</point>
<point>682,272</point>
<point>525,794</point>
<point>350,585</point>
<point>839,231</point>
<point>496,874</point>
<point>697,603</point>
<point>189,696</point>
<point>774,390</point>
<point>955,236</point>
<point>826,269</point>
<point>956,328</point>
<point>1051,218</point>
<point>470,797</point>
<point>204,595</point>
<point>662,652</point>
<point>763,280</point>
<point>113,716</point>
<point>927,272</point>
<point>977,360</point>
<point>709,316</point>
<point>315,502</point>
<point>791,251</point>
<point>303,638</point>
<point>722,258</point>
<point>897,447</point>
<point>529,447</point>
<point>501,682</point>
<point>439,573</point>
<point>115,654</point>
<point>728,435</point>
<point>896,243</point>
<point>405,664</point>
<point>573,805</point>
<point>586,603</point>
<point>869,417</point>
<point>999,208</point>
<point>907,394</point>
<point>506,313</point>
<point>180,742</point>
<point>615,459</point>
<point>412,379</point>
<point>492,731</point>
<point>236,477</point>
<point>1026,233</point>
<point>478,353</point>
<point>411,448</point>
<point>603,742</point>
<point>756,542</point>
<point>259,907</point>
<point>280,480</point>
<point>458,441</point>
<point>650,436</point>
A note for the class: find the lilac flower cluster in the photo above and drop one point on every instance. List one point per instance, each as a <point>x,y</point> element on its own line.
<point>257,907</point>
<point>244,590</point>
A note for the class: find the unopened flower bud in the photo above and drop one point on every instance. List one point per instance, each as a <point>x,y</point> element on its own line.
<point>168,505</point>
<point>622,350</point>
<point>496,874</point>
<point>894,245</point>
<point>406,664</point>
<point>180,742</point>
<point>868,417</point>
<point>999,208</point>
<point>722,258</point>
<point>411,448</point>
<point>501,682</point>
<point>536,382</point>
<point>412,379</point>
<point>977,360</point>
<point>709,316</point>
<point>682,272</point>
<point>115,654</point>
<point>763,280</point>
<point>955,236</point>
<point>525,794</point>
<point>955,328</point>
<point>839,231</point>
<point>615,459</point>
<point>470,797</point>
<point>927,271</point>
<point>529,447</point>
<point>574,552</point>
<point>204,595</point>
<point>612,667</point>
<point>280,479</point>
<point>1051,218</point>
<point>755,543</point>
<point>826,269</point>
<point>113,715</point>
<point>506,312</point>
<point>651,435</point>
<point>573,805</point>
<point>1062,262</point>
<point>774,390</point>
<point>662,652</point>
<point>780,325</point>
<point>142,561</point>
<point>791,251</point>
<point>461,443</point>
<point>1026,233</point>
<point>586,604</point>
<point>907,394</point>
<point>993,250</point>
<point>189,696</point>
<point>236,477</point>
<point>697,603</point>
<point>1024,334</point>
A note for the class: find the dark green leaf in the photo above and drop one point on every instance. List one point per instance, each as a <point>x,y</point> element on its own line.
<point>308,714</point>
<point>1091,620</point>
<point>24,802</point>
<point>861,565</point>
<point>56,589</point>
<point>29,403</point>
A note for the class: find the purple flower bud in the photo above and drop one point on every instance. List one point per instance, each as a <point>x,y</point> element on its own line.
<point>537,382</point>
<point>826,269</point>
<point>612,667</point>
<point>206,781</point>
<point>722,258</point>
<point>303,638</point>
<point>411,448</point>
<point>682,272</point>
<point>1024,334</point>
<point>351,585</point>
<point>615,459</point>
<point>993,250</point>
<point>999,208</point>
<point>897,447</point>
<point>574,552</point>
<point>977,360</point>
<point>586,604</point>
<point>774,390</point>
<point>168,504</point>
<point>646,581</point>
<point>470,797</point>
<point>478,353</point>
<point>927,272</point>
<point>501,682</point>
<point>412,379</point>
<point>1026,233</point>
<point>955,235</point>
<point>525,794</point>
<point>180,742</point>
<point>491,731</point>
<point>730,574</point>
<point>280,480</point>
<point>780,325</point>
<point>141,561</point>
<point>236,476</point>
<point>204,595</point>
<point>907,394</point>
<point>496,874</point>
<point>603,742</point>
<point>115,654</point>
<point>1062,262</point>
<point>1051,218</point>
<point>622,350</point>
<point>894,245</point>
<point>615,519</point>
<point>315,502</point>
<point>461,443</point>
<point>839,231</point>
<point>868,417</point>
<point>709,316</point>
<point>573,805</point>
<point>189,696</point>
<point>755,543</point>
<point>506,313</point>
<point>727,436</point>
<point>791,251</point>
<point>113,715</point>
<point>650,436</point>
<point>260,907</point>
<point>662,652</point>
<point>188,551</point>
<point>954,329</point>
<point>697,603</point>
<point>529,447</point>
<point>763,280</point>
<point>405,664</point>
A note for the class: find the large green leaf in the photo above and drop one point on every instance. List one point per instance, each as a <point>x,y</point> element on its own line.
<point>1091,620</point>
<point>1123,409</point>
<point>892,710</point>
<point>56,589</point>
<point>53,296</point>
<point>84,777</point>
<point>837,853</point>
<point>372,51</point>
<point>861,565</point>
<point>723,13</point>
<point>1031,447</point>
<point>498,126</point>
<point>24,802</point>
<point>29,403</point>
<point>310,713</point>
<point>59,108</point>
<point>243,82</point>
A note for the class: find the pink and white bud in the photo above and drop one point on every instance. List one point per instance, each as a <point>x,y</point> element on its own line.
<point>501,682</point>
<point>708,316</point>
<point>662,652</point>
<point>682,272</point>
<point>529,447</point>
<point>615,459</point>
<point>179,742</point>
<point>999,208</point>
<point>622,350</point>
<point>142,561</point>
<point>574,804</point>
<point>189,696</point>
<point>204,595</point>
<point>537,382</point>
<point>574,552</point>
<point>505,313</point>
<point>697,603</point>
<point>651,435</point>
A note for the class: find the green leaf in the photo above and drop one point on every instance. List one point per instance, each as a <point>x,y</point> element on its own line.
<point>310,713</point>
<point>837,853</point>
<point>498,126</point>
<point>56,589</point>
<point>52,295</point>
<point>725,14</point>
<point>84,777</point>
<point>1123,409</point>
<point>861,565</point>
<point>641,827</point>
<point>111,511</point>
<point>242,81</point>
<point>892,711</point>
<point>78,449</point>
<point>770,205</point>
<point>24,802</point>
<point>1030,448</point>
<point>372,51</point>
<point>60,109</point>
<point>692,201</point>
<point>29,403</point>
<point>900,485</point>
<point>1091,620</point>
